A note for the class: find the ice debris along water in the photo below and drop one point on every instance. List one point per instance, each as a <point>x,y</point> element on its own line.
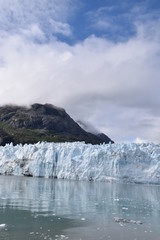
<point>132,162</point>
<point>123,220</point>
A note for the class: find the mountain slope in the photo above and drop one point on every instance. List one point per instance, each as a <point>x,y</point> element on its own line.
<point>41,123</point>
<point>91,129</point>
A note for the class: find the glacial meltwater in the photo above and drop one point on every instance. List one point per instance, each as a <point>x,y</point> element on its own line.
<point>38,208</point>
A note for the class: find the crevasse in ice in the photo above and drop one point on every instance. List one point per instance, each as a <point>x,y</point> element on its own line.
<point>79,161</point>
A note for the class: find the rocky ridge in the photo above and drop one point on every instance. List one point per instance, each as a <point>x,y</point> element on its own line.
<point>40,122</point>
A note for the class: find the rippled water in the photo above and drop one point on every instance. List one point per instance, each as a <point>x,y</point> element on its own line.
<point>37,208</point>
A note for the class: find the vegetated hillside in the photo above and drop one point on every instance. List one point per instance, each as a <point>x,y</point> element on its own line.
<point>41,123</point>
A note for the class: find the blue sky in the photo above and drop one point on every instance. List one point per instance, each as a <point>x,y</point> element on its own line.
<point>73,21</point>
<point>114,20</point>
<point>98,59</point>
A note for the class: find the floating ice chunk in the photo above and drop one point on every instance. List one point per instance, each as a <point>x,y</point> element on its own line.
<point>3,225</point>
<point>125,208</point>
<point>116,199</point>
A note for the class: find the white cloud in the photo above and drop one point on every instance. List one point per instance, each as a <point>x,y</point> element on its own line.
<point>139,140</point>
<point>33,32</point>
<point>113,86</point>
<point>47,16</point>
<point>102,25</point>
<point>62,28</point>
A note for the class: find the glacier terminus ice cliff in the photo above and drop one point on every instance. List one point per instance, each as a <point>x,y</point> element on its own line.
<point>137,163</point>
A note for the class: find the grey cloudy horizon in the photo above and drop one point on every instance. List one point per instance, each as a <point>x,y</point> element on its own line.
<point>112,85</point>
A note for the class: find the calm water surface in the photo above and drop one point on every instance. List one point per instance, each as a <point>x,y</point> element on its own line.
<point>37,208</point>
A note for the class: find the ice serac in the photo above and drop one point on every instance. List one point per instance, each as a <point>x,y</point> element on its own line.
<point>138,163</point>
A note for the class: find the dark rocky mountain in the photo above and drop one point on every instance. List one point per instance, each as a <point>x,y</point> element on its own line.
<point>42,123</point>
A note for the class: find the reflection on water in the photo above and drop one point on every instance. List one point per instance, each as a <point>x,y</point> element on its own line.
<point>36,208</point>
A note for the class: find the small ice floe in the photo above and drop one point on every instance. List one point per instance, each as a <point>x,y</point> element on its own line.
<point>3,225</point>
<point>83,219</point>
<point>125,208</point>
<point>123,220</point>
<point>116,199</point>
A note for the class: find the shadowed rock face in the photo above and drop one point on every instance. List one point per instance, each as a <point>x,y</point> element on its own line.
<point>41,123</point>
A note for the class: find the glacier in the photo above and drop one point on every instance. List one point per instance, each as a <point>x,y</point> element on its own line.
<point>131,163</point>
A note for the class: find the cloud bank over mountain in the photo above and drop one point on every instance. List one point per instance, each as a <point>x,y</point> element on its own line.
<point>113,83</point>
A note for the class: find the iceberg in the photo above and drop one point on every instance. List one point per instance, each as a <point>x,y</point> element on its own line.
<point>133,163</point>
